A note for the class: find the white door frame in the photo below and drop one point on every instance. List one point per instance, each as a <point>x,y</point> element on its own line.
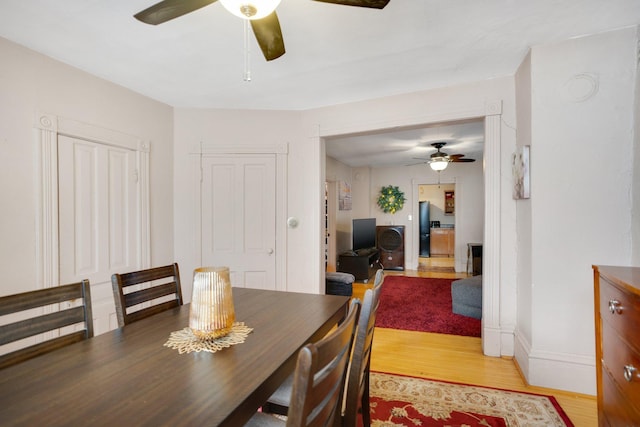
<point>331,206</point>
<point>48,127</point>
<point>496,339</point>
<point>281,152</point>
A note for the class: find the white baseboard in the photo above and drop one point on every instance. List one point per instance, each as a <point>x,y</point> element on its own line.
<point>491,341</point>
<point>560,371</point>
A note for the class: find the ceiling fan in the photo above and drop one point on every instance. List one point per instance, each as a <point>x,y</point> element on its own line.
<point>261,13</point>
<point>440,160</point>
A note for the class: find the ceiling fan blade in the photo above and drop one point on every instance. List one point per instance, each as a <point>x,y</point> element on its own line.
<point>423,162</point>
<point>459,158</point>
<point>374,4</point>
<point>169,9</point>
<point>269,35</point>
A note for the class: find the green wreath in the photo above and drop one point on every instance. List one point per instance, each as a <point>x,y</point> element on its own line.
<point>391,199</point>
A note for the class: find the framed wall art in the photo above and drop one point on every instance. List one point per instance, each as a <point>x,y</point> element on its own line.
<point>344,196</point>
<point>449,203</point>
<point>520,167</point>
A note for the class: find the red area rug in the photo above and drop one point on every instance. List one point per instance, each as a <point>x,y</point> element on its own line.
<point>421,304</point>
<point>398,400</point>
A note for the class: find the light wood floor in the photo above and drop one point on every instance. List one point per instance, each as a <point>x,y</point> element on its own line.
<point>460,359</point>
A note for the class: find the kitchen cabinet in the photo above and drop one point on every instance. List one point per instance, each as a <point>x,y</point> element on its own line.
<point>443,241</point>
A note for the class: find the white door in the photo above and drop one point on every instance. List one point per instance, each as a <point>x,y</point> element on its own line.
<point>97,222</point>
<point>238,217</point>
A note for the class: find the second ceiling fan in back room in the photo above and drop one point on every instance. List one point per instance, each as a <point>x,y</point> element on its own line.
<point>261,13</point>
<point>439,160</point>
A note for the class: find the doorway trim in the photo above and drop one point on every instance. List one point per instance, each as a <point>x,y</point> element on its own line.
<point>280,151</point>
<point>495,342</point>
<point>48,127</point>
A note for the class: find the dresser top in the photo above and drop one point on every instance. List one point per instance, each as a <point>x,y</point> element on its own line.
<point>625,277</point>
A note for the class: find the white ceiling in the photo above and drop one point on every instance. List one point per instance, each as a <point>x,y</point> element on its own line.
<point>335,54</point>
<point>406,147</point>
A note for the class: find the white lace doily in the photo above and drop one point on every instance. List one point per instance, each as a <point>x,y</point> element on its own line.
<point>186,342</point>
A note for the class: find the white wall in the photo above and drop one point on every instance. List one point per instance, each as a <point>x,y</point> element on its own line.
<point>469,218</point>
<point>231,128</point>
<point>366,184</point>
<point>523,211</point>
<point>635,215</point>
<point>582,125</point>
<point>434,194</point>
<point>30,83</point>
<point>361,191</point>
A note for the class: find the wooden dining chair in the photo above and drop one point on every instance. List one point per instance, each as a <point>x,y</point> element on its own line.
<point>318,380</point>
<point>64,310</point>
<point>356,398</point>
<point>143,293</point>
<point>357,390</point>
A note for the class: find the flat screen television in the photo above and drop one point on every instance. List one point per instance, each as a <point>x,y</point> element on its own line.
<point>364,233</point>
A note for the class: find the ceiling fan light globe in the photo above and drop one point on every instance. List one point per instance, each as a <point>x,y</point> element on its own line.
<point>250,9</point>
<point>439,165</point>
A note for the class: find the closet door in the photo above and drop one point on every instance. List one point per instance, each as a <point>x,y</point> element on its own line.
<point>238,199</point>
<point>98,202</point>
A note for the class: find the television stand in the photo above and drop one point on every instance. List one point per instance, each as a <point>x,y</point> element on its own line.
<point>362,263</point>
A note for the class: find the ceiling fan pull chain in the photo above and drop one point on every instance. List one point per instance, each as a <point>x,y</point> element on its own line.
<point>247,56</point>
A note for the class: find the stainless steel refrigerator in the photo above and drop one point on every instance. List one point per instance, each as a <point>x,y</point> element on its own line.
<point>425,228</point>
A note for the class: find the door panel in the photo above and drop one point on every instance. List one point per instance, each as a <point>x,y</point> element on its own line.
<point>80,211</point>
<point>97,221</point>
<point>238,217</point>
<point>121,208</point>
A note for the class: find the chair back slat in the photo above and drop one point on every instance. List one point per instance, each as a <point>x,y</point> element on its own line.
<point>39,323</point>
<point>138,297</point>
<point>39,298</point>
<point>134,316</point>
<point>156,283</point>
<point>143,276</point>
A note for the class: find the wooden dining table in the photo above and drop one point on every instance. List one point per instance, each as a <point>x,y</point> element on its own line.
<point>127,377</point>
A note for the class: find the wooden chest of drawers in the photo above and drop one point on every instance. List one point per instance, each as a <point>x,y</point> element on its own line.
<point>617,316</point>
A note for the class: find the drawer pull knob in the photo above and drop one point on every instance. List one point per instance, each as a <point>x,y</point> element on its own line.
<point>629,371</point>
<point>614,306</point>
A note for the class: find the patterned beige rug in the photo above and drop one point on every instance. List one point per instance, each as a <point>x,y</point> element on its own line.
<point>407,401</point>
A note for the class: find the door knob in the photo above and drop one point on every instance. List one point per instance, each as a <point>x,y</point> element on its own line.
<point>270,251</point>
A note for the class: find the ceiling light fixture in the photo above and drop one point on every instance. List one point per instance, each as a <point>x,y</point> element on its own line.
<point>439,160</point>
<point>439,164</point>
<point>250,9</point>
